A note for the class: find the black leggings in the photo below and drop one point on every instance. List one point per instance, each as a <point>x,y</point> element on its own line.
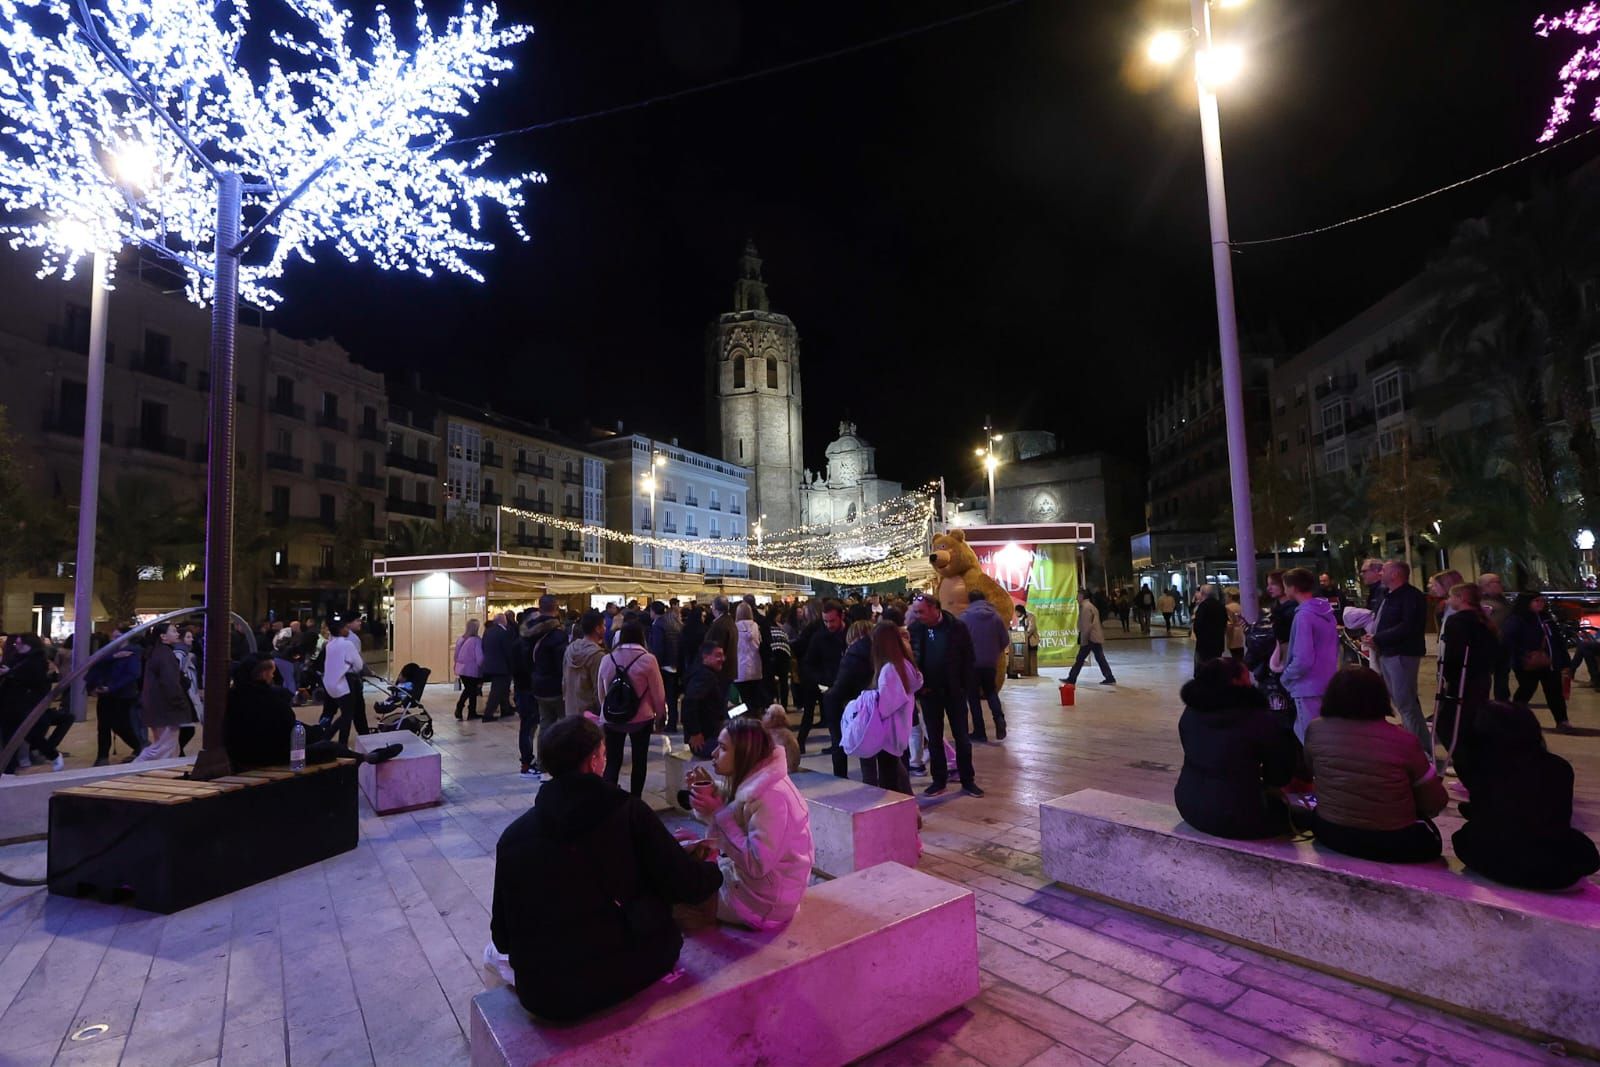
<point>1417,843</point>
<point>1554,696</point>
<point>112,715</point>
<point>887,770</point>
<point>641,756</point>
<point>470,689</point>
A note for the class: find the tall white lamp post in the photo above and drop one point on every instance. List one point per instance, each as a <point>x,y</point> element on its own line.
<point>1215,65</point>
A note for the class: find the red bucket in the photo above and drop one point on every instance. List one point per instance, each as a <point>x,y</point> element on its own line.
<point>1069,693</point>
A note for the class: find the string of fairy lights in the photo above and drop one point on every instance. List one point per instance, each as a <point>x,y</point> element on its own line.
<point>882,543</point>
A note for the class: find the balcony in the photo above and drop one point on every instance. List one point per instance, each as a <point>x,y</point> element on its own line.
<point>329,472</point>
<point>369,481</point>
<point>571,544</point>
<point>1360,420</point>
<point>370,431</point>
<point>538,470</point>
<point>72,426</point>
<point>158,443</point>
<point>691,530</point>
<point>571,511</point>
<point>281,461</point>
<point>544,541</point>
<point>400,506</point>
<point>329,421</point>
<point>523,540</point>
<point>733,509</point>
<point>491,458</point>
<point>692,502</point>
<point>1335,385</point>
<point>490,499</point>
<point>571,478</point>
<point>282,405</point>
<point>670,496</point>
<point>401,461</point>
<point>73,337</point>
<point>542,507</point>
<point>323,574</point>
<point>164,369</point>
<point>714,506</point>
<point>669,527</point>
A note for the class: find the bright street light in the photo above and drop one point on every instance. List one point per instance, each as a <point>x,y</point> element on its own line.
<point>990,463</point>
<point>135,165</point>
<point>76,235</point>
<point>1166,46</point>
<point>1218,65</point>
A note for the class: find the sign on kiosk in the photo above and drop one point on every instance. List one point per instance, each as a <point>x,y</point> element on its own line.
<point>1044,577</point>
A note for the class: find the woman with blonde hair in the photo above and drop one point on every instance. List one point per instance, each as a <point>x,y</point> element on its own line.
<point>760,826</point>
<point>751,677</point>
<point>469,669</point>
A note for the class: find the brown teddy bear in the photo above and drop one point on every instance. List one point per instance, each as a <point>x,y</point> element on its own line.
<point>959,573</point>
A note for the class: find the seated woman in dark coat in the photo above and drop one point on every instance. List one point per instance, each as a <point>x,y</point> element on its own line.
<point>584,884</point>
<point>1236,758</point>
<point>260,723</point>
<point>1376,790</point>
<point>1519,820</point>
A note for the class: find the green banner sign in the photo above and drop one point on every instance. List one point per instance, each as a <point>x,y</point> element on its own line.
<point>1053,599</point>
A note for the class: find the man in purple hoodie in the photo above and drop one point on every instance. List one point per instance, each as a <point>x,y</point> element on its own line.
<point>1313,648</point>
<point>990,640</point>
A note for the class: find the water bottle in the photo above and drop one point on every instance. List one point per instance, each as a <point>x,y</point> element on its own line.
<point>297,747</point>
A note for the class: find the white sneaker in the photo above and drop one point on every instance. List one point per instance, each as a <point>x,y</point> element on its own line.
<point>531,772</point>
<point>59,763</point>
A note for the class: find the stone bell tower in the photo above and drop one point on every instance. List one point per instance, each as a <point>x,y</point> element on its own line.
<point>753,372</point>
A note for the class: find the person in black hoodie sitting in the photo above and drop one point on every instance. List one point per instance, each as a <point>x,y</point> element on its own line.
<point>260,723</point>
<point>1236,756</point>
<point>584,884</point>
<point>1519,820</point>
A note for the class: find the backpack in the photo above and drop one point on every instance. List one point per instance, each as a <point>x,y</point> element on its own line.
<point>621,701</point>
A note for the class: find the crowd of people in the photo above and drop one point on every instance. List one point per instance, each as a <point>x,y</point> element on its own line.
<point>1292,733</point>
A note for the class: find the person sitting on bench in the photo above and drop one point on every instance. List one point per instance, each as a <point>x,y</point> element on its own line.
<point>584,884</point>
<point>260,723</point>
<point>1236,757</point>
<point>1376,790</point>
<point>1519,820</point>
<point>760,824</point>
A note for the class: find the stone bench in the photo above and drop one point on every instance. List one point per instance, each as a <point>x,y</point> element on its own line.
<point>25,798</point>
<point>1520,959</point>
<point>163,843</point>
<point>870,958</point>
<point>854,825</point>
<point>410,780</point>
<point>678,764</point>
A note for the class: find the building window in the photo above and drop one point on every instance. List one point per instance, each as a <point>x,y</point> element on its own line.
<point>1333,419</point>
<point>738,372</point>
<point>285,392</point>
<point>280,500</point>
<point>285,442</point>
<point>1299,395</point>
<point>1302,435</point>
<point>1389,441</point>
<point>330,405</point>
<point>772,374</point>
<point>1387,397</point>
<point>1278,404</point>
<point>1334,460</point>
<point>714,504</point>
<point>325,508</point>
<point>714,532</point>
<point>330,454</point>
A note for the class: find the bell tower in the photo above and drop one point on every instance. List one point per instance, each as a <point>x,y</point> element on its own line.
<point>753,378</point>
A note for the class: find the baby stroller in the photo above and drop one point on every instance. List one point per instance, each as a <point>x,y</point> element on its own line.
<point>402,708</point>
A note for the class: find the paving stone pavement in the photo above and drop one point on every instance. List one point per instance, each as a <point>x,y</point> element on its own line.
<point>372,957</point>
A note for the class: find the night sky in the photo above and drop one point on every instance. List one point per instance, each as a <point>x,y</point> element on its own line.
<point>1006,215</point>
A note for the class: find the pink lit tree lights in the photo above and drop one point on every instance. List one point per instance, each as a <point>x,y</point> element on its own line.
<point>1583,66</point>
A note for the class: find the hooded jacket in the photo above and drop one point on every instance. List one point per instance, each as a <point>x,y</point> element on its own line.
<point>496,660</point>
<point>546,639</point>
<point>1233,750</point>
<point>749,636</point>
<point>1313,650</point>
<point>580,677</point>
<point>764,833</point>
<point>990,637</point>
<point>163,701</point>
<point>584,884</point>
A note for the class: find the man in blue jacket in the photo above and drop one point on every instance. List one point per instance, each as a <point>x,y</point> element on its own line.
<point>1313,649</point>
<point>497,641</point>
<point>115,682</point>
<point>1397,638</point>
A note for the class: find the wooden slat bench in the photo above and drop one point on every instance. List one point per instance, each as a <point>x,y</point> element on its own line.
<point>162,842</point>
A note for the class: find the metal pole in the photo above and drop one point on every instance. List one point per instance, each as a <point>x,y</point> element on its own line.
<point>212,761</point>
<point>1227,330</point>
<point>89,488</point>
<point>497,530</point>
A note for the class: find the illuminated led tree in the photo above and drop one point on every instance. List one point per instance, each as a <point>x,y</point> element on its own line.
<point>1583,66</point>
<point>165,124</point>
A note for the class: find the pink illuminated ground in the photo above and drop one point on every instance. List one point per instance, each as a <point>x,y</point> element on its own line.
<point>373,957</point>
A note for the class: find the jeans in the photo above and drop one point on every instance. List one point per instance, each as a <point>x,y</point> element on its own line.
<point>551,711</point>
<point>937,709</point>
<point>641,756</point>
<point>352,712</point>
<point>1550,679</point>
<point>499,702</point>
<point>1305,709</point>
<point>1084,650</point>
<point>112,716</point>
<point>987,690</point>
<point>527,725</point>
<point>1400,675</point>
<point>887,770</point>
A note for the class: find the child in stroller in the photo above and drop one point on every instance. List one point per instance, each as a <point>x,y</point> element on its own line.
<point>402,709</point>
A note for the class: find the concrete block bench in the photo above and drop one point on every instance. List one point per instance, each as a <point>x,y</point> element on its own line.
<point>410,780</point>
<point>854,825</point>
<point>25,798</point>
<point>678,764</point>
<point>870,958</point>
<point>1427,931</point>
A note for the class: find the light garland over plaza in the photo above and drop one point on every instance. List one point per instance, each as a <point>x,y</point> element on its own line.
<point>880,547</point>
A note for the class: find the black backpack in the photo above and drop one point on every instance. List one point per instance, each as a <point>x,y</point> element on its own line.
<point>621,701</point>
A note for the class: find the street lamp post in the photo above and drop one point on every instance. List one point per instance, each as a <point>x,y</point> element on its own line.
<point>89,488</point>
<point>1214,65</point>
<point>991,462</point>
<point>649,482</point>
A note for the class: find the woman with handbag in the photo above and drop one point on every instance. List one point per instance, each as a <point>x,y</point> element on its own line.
<point>1538,655</point>
<point>877,724</point>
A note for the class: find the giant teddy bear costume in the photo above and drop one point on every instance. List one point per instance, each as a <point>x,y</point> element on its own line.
<point>959,573</point>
